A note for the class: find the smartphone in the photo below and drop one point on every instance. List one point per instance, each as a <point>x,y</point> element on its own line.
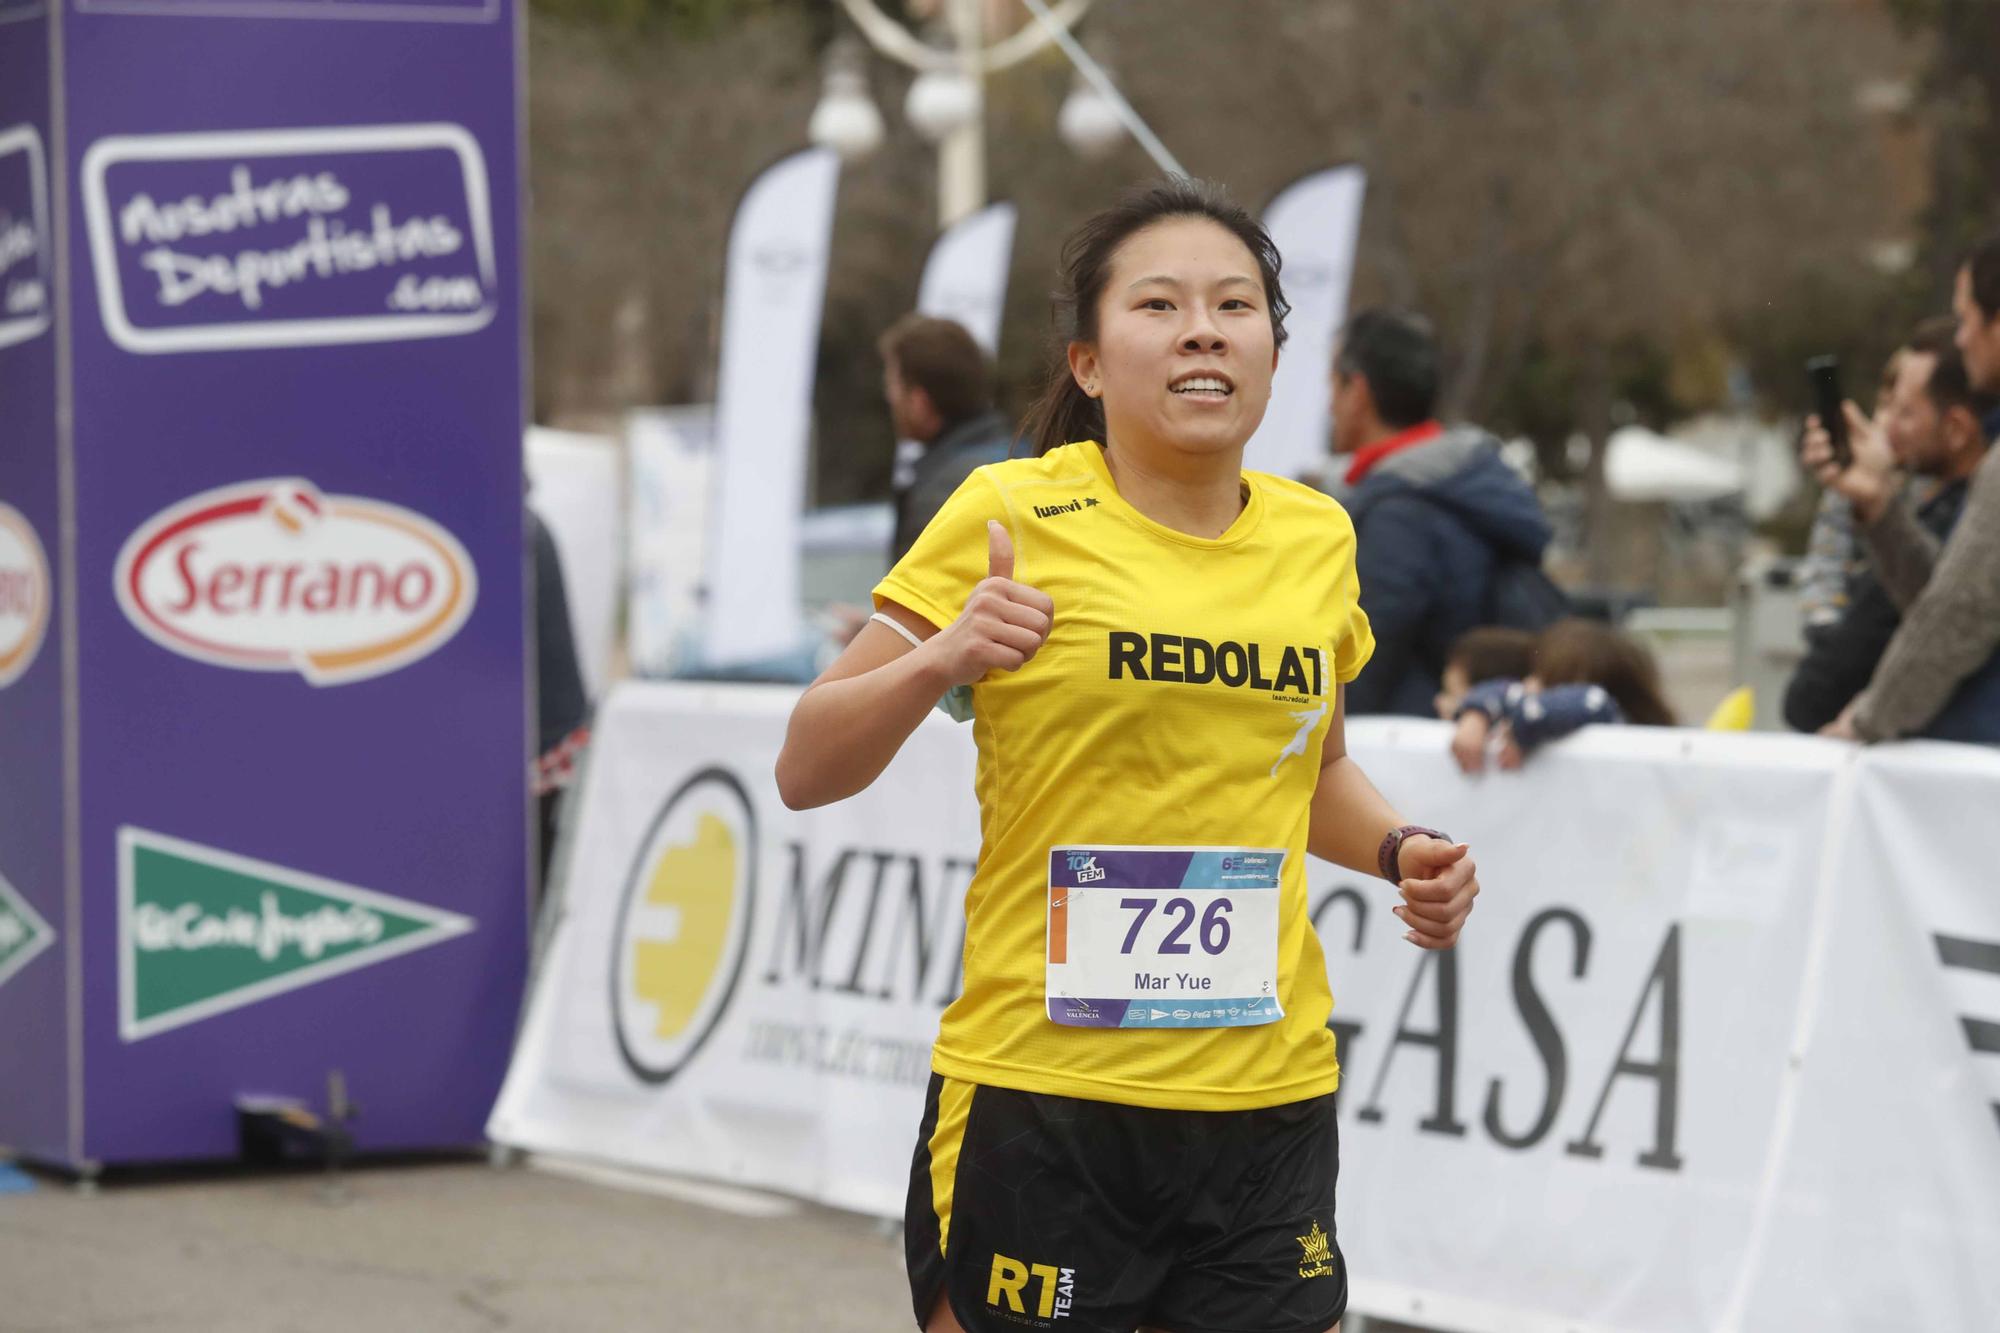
<point>1824,373</point>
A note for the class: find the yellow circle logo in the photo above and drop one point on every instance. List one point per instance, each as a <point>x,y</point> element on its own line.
<point>683,925</point>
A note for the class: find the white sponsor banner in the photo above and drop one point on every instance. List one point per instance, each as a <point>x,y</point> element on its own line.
<point>1883,1186</point>
<point>965,278</point>
<point>774,291</point>
<point>577,485</point>
<point>778,976</point>
<point>1666,1082</point>
<point>672,453</point>
<point>1316,221</point>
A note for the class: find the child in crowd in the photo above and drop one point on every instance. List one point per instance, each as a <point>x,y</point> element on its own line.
<point>1580,672</point>
<point>1488,653</point>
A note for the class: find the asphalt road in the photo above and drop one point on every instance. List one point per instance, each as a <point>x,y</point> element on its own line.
<point>433,1247</point>
<point>443,1247</point>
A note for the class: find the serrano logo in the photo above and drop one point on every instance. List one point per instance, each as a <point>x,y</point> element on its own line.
<point>274,576</point>
<point>683,925</point>
<point>24,594</point>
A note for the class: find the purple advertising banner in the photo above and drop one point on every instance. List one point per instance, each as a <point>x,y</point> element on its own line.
<point>294,311</point>
<point>35,1069</point>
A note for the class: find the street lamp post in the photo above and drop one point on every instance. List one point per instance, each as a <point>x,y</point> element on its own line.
<point>846,119</point>
<point>962,149</point>
<point>947,102</point>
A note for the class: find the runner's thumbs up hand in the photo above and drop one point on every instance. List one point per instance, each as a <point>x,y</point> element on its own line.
<point>1004,623</point>
<point>999,551</point>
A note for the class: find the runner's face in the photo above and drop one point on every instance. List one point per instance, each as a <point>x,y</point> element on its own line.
<point>1184,351</point>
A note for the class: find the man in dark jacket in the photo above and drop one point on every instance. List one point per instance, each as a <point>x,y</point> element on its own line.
<point>1436,513</point>
<point>940,392</point>
<point>562,708</point>
<point>1934,428</point>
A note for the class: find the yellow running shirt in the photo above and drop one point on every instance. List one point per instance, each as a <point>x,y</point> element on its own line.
<point>1180,702</point>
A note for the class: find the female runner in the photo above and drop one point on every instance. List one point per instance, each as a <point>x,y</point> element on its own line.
<point>1130,1120</point>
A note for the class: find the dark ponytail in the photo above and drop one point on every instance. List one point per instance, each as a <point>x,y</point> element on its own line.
<point>1063,411</point>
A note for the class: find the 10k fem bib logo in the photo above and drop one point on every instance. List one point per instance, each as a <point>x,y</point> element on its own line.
<point>274,576</point>
<point>290,238</point>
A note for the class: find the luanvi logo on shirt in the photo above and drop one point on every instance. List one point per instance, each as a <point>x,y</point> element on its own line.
<point>1978,956</point>
<point>1185,659</point>
<point>1073,507</point>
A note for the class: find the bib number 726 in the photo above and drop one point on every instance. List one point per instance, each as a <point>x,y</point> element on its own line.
<point>1214,932</point>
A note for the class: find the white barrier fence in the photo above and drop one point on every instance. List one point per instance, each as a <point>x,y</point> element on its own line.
<point>1720,1049</point>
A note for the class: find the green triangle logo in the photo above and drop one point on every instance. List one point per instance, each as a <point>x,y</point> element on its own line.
<point>203,931</point>
<point>23,933</point>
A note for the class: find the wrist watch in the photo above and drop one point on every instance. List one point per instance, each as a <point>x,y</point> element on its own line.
<point>1390,859</point>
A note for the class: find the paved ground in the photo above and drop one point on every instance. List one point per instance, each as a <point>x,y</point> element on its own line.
<point>440,1247</point>
<point>431,1248</point>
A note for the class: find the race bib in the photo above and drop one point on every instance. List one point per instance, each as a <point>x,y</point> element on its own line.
<point>1163,937</point>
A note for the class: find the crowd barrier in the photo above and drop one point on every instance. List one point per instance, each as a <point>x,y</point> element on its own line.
<point>1720,1048</point>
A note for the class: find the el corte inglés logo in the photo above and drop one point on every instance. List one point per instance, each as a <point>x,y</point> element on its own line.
<point>23,932</point>
<point>202,931</point>
<point>683,924</point>
<point>24,595</point>
<point>275,576</point>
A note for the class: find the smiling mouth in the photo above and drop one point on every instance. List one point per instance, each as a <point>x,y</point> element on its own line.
<point>1211,388</point>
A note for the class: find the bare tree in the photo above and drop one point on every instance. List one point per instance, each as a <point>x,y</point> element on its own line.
<point>1571,188</point>
<point>1558,178</point>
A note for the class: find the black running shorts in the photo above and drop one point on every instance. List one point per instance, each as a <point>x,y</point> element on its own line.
<point>1041,1212</point>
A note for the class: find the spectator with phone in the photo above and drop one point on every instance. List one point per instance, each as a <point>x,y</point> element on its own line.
<point>1932,422</point>
<point>1940,676</point>
<point>1834,560</point>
